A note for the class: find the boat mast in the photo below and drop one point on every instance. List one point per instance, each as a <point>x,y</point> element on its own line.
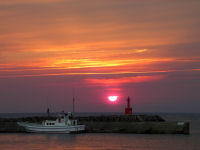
<point>73,101</point>
<point>48,110</point>
<point>73,105</point>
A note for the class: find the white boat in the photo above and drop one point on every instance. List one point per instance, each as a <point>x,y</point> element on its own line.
<point>63,124</point>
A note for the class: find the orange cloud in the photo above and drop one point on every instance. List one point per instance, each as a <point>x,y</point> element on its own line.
<point>124,80</point>
<point>63,37</point>
<point>12,2</point>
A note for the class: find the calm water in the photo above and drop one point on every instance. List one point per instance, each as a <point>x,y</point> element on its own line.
<point>108,141</point>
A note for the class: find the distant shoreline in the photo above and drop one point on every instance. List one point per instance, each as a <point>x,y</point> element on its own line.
<point>18,115</point>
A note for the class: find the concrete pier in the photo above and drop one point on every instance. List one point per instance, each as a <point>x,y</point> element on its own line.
<point>137,127</point>
<point>138,124</point>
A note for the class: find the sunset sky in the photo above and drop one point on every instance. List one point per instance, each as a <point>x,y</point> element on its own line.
<point>146,49</point>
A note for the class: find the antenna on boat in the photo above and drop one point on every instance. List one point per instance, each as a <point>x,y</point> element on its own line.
<point>48,110</point>
<point>73,103</point>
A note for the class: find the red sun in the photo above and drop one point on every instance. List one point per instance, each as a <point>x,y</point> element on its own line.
<point>112,98</point>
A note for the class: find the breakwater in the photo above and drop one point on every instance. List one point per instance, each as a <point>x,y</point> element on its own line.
<point>140,124</point>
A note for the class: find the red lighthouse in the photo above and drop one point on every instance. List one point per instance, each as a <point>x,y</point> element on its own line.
<point>128,109</point>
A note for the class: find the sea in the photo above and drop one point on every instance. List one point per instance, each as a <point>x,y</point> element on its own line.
<point>104,141</point>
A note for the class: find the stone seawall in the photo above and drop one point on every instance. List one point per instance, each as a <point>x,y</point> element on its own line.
<point>137,127</point>
<point>139,124</point>
<point>10,127</point>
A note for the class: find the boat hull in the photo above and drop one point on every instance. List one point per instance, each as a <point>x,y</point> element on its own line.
<point>37,128</point>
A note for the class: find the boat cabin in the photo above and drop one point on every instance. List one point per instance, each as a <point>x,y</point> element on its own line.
<point>63,119</point>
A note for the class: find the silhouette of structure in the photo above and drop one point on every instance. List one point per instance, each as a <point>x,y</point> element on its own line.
<point>128,109</point>
<point>48,112</point>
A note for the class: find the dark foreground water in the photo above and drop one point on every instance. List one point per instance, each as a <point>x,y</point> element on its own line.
<point>107,141</point>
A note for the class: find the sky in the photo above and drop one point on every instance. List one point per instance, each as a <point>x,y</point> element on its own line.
<point>51,50</point>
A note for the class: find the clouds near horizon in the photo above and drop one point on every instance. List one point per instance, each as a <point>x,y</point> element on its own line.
<point>102,42</point>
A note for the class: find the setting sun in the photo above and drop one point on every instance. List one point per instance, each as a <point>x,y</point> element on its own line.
<point>112,98</point>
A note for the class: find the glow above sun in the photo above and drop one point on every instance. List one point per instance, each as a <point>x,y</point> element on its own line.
<point>112,98</point>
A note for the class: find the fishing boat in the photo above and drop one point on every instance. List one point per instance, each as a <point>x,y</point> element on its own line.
<point>65,123</point>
